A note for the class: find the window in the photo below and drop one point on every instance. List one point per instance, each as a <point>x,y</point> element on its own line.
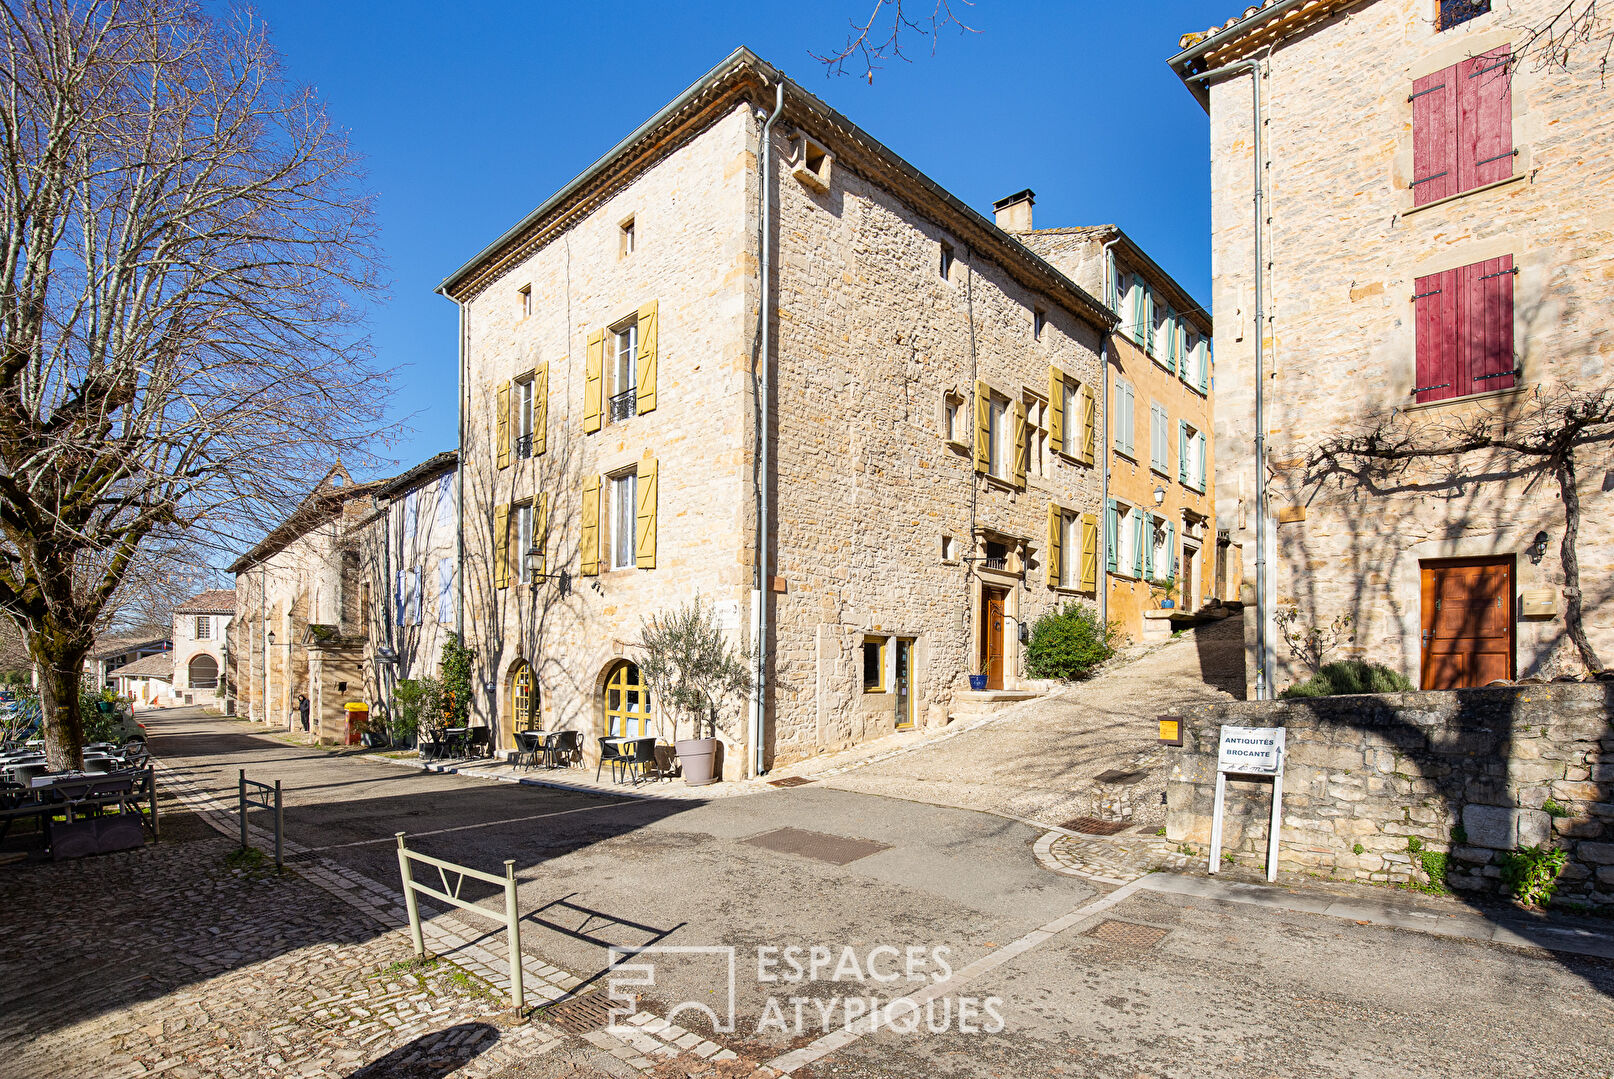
<point>624,492</point>
<point>953,418</point>
<point>1462,127</point>
<point>523,699</point>
<point>522,542</point>
<point>999,451</point>
<point>949,549</point>
<point>625,238</point>
<point>1070,546</point>
<point>624,371</point>
<point>1160,323</point>
<point>1463,322</point>
<point>445,591</point>
<point>627,703</point>
<point>1192,368</point>
<point>1125,403</point>
<point>204,627</point>
<point>1191,456</point>
<point>445,505</point>
<point>947,261</point>
<point>1122,542</point>
<point>411,517</point>
<point>1456,12</point>
<point>1159,438</point>
<point>525,297</point>
<point>1039,319</point>
<point>1161,561</point>
<point>406,597</point>
<point>812,163</point>
<point>524,400</point>
<point>1073,427</point>
<point>204,672</point>
<point>874,664</point>
<point>1036,433</point>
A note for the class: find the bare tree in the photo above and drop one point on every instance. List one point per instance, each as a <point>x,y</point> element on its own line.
<point>1576,29</point>
<point>881,37</point>
<point>1543,437</point>
<point>183,258</point>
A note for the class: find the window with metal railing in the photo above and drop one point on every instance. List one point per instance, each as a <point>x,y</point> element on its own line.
<point>624,405</point>
<point>1456,12</point>
<point>524,446</point>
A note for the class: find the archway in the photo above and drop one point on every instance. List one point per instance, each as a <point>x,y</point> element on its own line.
<point>203,672</point>
<point>627,702</point>
<point>523,697</point>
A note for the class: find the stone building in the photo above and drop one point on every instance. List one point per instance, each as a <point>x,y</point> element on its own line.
<point>1161,540</point>
<point>629,419</point>
<point>1434,252</point>
<point>114,650</point>
<point>147,681</point>
<point>201,626</point>
<point>297,629</point>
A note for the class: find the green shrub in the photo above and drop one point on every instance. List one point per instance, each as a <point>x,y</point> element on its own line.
<point>1531,873</point>
<point>1349,676</point>
<point>1434,864</point>
<point>1068,643</point>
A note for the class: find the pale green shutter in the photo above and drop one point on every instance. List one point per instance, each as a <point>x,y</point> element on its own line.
<point>1171,548</point>
<point>1112,535</point>
<point>1182,451</point>
<point>1137,548</point>
<point>1146,531</point>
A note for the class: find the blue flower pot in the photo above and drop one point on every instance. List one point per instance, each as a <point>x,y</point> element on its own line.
<point>1168,604</point>
<point>977,682</point>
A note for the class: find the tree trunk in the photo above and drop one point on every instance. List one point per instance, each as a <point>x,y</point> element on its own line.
<point>60,677</point>
<point>1567,554</point>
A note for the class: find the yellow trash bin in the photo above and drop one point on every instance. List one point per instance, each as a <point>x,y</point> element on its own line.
<point>358,717</point>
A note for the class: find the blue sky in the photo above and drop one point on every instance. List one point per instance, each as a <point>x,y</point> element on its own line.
<point>470,114</point>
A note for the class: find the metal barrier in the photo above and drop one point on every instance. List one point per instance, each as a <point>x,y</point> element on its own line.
<point>451,894</point>
<point>259,797</point>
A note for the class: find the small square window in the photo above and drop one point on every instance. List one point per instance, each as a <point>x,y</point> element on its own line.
<point>1039,319</point>
<point>949,549</point>
<point>1456,12</point>
<point>526,301</point>
<point>813,163</point>
<point>947,261</point>
<point>626,238</point>
<point>953,418</point>
<point>874,664</point>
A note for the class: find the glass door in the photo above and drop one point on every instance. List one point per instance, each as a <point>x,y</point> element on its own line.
<point>904,675</point>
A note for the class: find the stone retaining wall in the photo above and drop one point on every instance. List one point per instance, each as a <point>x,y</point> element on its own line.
<point>1471,773</point>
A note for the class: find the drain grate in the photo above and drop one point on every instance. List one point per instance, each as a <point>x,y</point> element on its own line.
<point>1094,826</point>
<point>1130,934</point>
<point>835,849</point>
<point>592,1011</point>
<point>789,781</point>
<point>1120,776</point>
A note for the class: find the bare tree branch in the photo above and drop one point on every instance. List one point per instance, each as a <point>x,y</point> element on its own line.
<point>866,47</point>
<point>1576,29</point>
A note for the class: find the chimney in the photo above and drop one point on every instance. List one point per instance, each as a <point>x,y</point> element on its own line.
<point>1014,212</point>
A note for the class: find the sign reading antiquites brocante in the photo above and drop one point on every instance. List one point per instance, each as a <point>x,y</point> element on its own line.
<point>1251,750</point>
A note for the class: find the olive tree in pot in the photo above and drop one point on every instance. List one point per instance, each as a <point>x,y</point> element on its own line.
<point>694,670</point>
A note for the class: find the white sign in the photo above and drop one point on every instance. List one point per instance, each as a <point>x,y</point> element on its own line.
<point>1251,750</point>
<point>727,613</point>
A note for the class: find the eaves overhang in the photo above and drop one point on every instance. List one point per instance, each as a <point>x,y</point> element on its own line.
<point>1259,27</point>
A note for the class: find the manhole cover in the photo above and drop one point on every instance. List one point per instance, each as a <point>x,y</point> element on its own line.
<point>835,849</point>
<point>1131,934</point>
<point>580,1014</point>
<point>1117,775</point>
<point>1094,826</point>
<point>789,781</point>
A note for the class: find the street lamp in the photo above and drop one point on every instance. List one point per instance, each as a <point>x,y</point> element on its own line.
<point>1159,495</point>
<point>1538,548</point>
<point>563,579</point>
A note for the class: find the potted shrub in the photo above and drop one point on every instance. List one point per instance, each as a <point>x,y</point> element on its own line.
<point>1167,590</point>
<point>693,670</point>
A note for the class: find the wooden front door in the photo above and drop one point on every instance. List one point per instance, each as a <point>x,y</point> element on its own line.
<point>1467,622</point>
<point>992,637</point>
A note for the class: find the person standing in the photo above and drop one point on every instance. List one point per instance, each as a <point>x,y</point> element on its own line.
<point>302,710</point>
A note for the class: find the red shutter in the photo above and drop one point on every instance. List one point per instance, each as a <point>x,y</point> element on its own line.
<point>1488,326</point>
<point>1484,119</point>
<point>1434,136</point>
<point>1435,306</point>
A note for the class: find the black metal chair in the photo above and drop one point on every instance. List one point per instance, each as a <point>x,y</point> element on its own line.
<point>640,761</point>
<point>529,747</point>
<point>479,742</point>
<point>563,748</point>
<point>612,752</point>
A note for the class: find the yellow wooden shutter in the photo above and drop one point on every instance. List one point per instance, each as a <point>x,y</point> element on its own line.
<point>645,549</point>
<point>1054,553</point>
<point>1089,565</point>
<point>540,531</point>
<point>1089,425</point>
<point>983,427</point>
<point>593,367</point>
<point>501,547</point>
<point>647,358</point>
<point>540,407</point>
<point>589,543</point>
<point>501,425</point>
<point>1022,444</point>
<point>1056,408</point>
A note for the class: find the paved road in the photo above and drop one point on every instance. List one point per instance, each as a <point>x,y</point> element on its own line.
<point>1224,990</point>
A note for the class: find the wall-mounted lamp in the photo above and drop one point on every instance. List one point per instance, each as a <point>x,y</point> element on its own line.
<point>1159,496</point>
<point>563,579</point>
<point>1538,548</point>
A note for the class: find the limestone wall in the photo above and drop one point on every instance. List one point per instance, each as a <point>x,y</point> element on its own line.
<point>1344,248</point>
<point>1471,773</point>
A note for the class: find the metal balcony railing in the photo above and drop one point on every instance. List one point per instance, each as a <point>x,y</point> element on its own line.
<point>523,446</point>
<point>624,404</point>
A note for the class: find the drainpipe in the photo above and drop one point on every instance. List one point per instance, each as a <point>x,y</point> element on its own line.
<point>459,493</point>
<point>1108,269</point>
<point>759,594</point>
<point>1263,583</point>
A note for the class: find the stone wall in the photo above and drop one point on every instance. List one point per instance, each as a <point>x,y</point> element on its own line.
<point>1471,773</point>
<point>1344,247</point>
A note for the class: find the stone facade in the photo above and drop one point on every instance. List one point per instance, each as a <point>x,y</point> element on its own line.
<point>889,303</point>
<point>201,625</point>
<point>1343,248</point>
<point>1162,377</point>
<point>1471,774</point>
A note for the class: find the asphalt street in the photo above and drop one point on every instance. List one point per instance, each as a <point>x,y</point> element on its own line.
<point>1047,980</point>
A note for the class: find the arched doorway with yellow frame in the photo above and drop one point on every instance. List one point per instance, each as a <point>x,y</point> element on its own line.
<point>522,697</point>
<point>627,703</point>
